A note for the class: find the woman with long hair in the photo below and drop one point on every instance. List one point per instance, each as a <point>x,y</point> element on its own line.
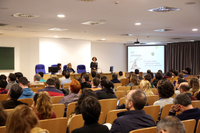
<point>3,116</point>
<point>70,69</point>
<point>133,80</point>
<point>145,86</point>
<point>194,84</point>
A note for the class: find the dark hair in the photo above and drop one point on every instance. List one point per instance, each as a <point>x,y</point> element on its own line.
<point>107,84</point>
<point>98,75</point>
<point>103,77</point>
<point>185,87</point>
<point>165,88</point>
<point>82,74</point>
<point>86,77</point>
<point>12,77</point>
<point>63,72</point>
<point>182,99</point>
<point>160,71</point>
<point>96,81</point>
<point>147,77</point>
<point>85,93</point>
<point>114,76</point>
<point>2,76</point>
<point>41,74</point>
<point>93,74</point>
<point>15,91</point>
<point>50,81</point>
<point>171,124</point>
<point>194,84</point>
<point>94,58</point>
<point>58,65</point>
<point>18,75</point>
<point>3,116</point>
<point>57,82</point>
<point>188,70</point>
<point>90,109</point>
<point>23,81</point>
<point>180,75</point>
<point>120,73</point>
<point>180,80</point>
<point>67,75</point>
<point>149,71</point>
<point>3,83</point>
<point>139,99</point>
<point>158,76</point>
<point>169,74</point>
<point>137,71</point>
<point>175,72</point>
<point>172,70</point>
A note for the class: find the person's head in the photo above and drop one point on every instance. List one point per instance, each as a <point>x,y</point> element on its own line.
<point>184,87</point>
<point>57,82</point>
<point>21,120</point>
<point>145,85</point>
<point>134,79</point>
<point>148,71</point>
<point>94,59</point>
<point>3,83</point>
<point>42,105</point>
<point>18,75</point>
<point>114,76</point>
<point>67,75</point>
<point>165,88</point>
<point>15,92</point>
<point>170,124</point>
<point>23,81</point>
<point>137,71</point>
<point>180,75</point>
<point>105,83</point>
<point>50,82</point>
<point>184,71</point>
<point>98,75</point>
<point>93,74</point>
<point>69,66</point>
<point>175,73</point>
<point>160,71</point>
<point>90,109</point>
<point>180,80</point>
<point>82,74</point>
<point>37,77</point>
<point>135,100</point>
<point>41,74</point>
<point>169,74</point>
<point>11,77</point>
<point>75,86</point>
<point>158,75</point>
<point>194,83</point>
<point>103,77</point>
<point>63,72</point>
<point>85,78</point>
<point>59,66</point>
<point>147,77</point>
<point>2,76</point>
<point>96,81</point>
<point>188,70</point>
<point>3,116</point>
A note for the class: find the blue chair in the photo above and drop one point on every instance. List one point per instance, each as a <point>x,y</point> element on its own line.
<point>40,68</point>
<point>81,69</point>
<point>54,65</point>
<point>65,67</point>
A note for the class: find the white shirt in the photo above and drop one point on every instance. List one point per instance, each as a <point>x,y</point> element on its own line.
<point>164,101</point>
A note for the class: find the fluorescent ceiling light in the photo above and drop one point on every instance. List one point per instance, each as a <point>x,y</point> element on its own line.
<point>58,29</point>
<point>61,15</point>
<point>137,23</point>
<point>194,29</point>
<point>56,36</point>
<point>103,39</point>
<point>151,43</point>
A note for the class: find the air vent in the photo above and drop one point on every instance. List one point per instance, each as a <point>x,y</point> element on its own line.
<point>190,3</point>
<point>93,23</point>
<point>176,38</point>
<point>57,29</point>
<point>86,0</point>
<point>163,30</point>
<point>163,9</point>
<point>22,15</point>
<point>126,34</point>
<point>1,24</point>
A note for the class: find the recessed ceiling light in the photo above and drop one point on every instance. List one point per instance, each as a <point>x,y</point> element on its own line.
<point>58,29</point>
<point>194,29</point>
<point>56,36</point>
<point>151,43</point>
<point>137,23</point>
<point>164,9</point>
<point>103,39</point>
<point>61,15</point>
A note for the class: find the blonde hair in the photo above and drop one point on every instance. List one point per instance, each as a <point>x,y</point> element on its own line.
<point>43,105</point>
<point>21,120</point>
<point>69,65</point>
<point>145,86</point>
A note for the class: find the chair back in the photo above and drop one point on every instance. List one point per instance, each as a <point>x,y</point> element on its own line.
<point>66,85</point>
<point>2,129</point>
<point>3,97</point>
<point>8,111</point>
<point>112,115</point>
<point>198,127</point>
<point>81,69</point>
<point>65,67</point>
<point>29,101</point>
<point>154,90</point>
<point>152,99</point>
<point>35,88</point>
<point>196,104</point>
<point>145,130</point>
<point>40,68</point>
<point>116,85</point>
<point>189,125</point>
<point>124,81</point>
<point>70,108</point>
<point>56,99</point>
<point>174,95</point>
<point>135,87</point>
<point>107,105</point>
<point>56,125</point>
<point>121,101</point>
<point>153,111</point>
<point>124,88</point>
<point>120,94</point>
<point>165,110</point>
<point>59,110</point>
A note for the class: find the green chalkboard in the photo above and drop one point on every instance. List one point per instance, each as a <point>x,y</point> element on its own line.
<point>7,58</point>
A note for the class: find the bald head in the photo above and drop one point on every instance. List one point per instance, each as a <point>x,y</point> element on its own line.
<point>184,87</point>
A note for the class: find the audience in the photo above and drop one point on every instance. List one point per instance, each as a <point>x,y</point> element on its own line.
<point>121,76</point>
<point>37,79</point>
<point>194,84</point>
<point>21,120</point>
<point>137,73</point>
<point>107,90</point>
<point>85,82</point>
<point>185,75</point>
<point>188,70</point>
<point>91,110</point>
<point>95,84</point>
<point>63,76</point>
<point>27,92</point>
<point>42,106</point>
<point>11,80</point>
<point>3,116</point>
<point>133,80</point>
<point>168,75</point>
<point>145,87</point>
<point>98,75</point>
<point>51,89</point>
<point>13,95</point>
<point>3,84</point>
<point>18,75</point>
<point>185,88</point>
<point>130,74</point>
<point>67,80</point>
<point>2,76</point>
<point>149,72</point>
<point>93,73</point>
<point>69,68</point>
<point>158,77</point>
<point>103,77</point>
<point>176,87</point>
<point>135,117</point>
<point>41,75</point>
<point>170,124</point>
<point>114,78</point>
<point>148,77</point>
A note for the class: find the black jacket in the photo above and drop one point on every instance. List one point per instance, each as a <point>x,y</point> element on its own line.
<point>11,104</point>
<point>106,94</point>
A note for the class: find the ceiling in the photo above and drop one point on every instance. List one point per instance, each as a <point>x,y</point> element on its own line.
<point>119,17</point>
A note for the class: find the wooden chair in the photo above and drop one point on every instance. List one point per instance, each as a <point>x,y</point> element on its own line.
<point>107,105</point>
<point>56,99</point>
<point>112,115</point>
<point>124,81</point>
<point>145,130</point>
<point>29,101</point>
<point>59,110</point>
<point>165,110</point>
<point>152,99</point>
<point>198,127</point>
<point>135,87</point>
<point>56,125</point>
<point>196,104</point>
<point>2,129</point>
<point>195,94</point>
<point>70,108</point>
<point>153,111</point>
<point>3,97</point>
<point>121,101</point>
<point>189,125</point>
<point>37,87</point>
<point>66,85</point>
<point>117,85</point>
<point>120,94</point>
<point>155,91</point>
<point>124,88</point>
<point>8,111</point>
<point>174,95</point>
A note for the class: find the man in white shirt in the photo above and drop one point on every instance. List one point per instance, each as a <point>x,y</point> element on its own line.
<point>67,80</point>
<point>121,76</point>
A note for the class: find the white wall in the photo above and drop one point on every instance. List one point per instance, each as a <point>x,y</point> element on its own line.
<point>109,54</point>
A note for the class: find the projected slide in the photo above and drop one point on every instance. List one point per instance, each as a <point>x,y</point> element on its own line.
<point>146,57</point>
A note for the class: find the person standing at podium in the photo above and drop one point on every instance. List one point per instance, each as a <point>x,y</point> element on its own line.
<point>94,64</point>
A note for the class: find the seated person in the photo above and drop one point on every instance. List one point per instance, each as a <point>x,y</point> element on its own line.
<point>2,76</point>
<point>158,77</point>
<point>41,75</point>
<point>67,79</point>
<point>95,84</point>
<point>3,116</point>
<point>185,88</point>
<point>18,75</point>
<point>93,73</point>
<point>13,95</point>
<point>11,80</point>
<point>114,78</point>
<point>135,118</point>
<point>133,80</point>
<point>176,87</point>
<point>70,69</point>
<point>194,84</point>
<point>91,109</point>
<point>59,65</point>
<point>98,75</point>
<point>137,73</point>
<point>168,75</point>
<point>27,92</point>
<point>37,78</point>
<point>121,76</point>
<point>149,72</point>
<point>42,106</point>
<point>145,87</point>
<point>170,124</point>
<point>184,72</point>
<point>3,84</point>
<point>107,90</point>
<point>148,77</point>
<point>85,82</point>
<point>51,89</point>
<point>182,103</point>
<point>63,76</point>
